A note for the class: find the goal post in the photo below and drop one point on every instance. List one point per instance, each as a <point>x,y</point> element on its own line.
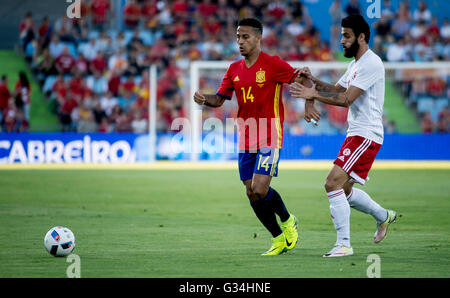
<point>153,79</point>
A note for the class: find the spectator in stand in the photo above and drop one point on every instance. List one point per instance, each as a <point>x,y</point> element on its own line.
<point>101,12</point>
<point>90,49</point>
<point>64,28</point>
<point>86,121</point>
<point>114,81</point>
<point>433,29</point>
<point>97,83</point>
<point>212,48</point>
<point>135,43</point>
<point>400,26</point>
<point>165,16</point>
<point>126,100</point>
<point>149,14</point>
<point>159,53</point>
<point>85,11</point>
<point>276,10</point>
<point>45,64</point>
<point>131,14</point>
<point>336,14</point>
<point>98,112</point>
<point>14,120</point>
<point>122,122</point>
<point>118,62</point>
<point>139,123</point>
<point>323,52</point>
<point>56,47</point>
<point>418,29</point>
<point>383,34</point>
<point>206,8</point>
<point>422,51</point>
<point>352,7</point>
<point>211,27</point>
<point>436,87</point>
<point>102,41</point>
<point>5,96</point>
<point>119,43</point>
<point>59,86</point>
<point>44,32</point>
<point>427,123</point>
<point>67,105</point>
<point>443,123</point>
<point>388,12</point>
<point>135,66</point>
<point>128,85</point>
<point>81,65</point>
<point>445,29</point>
<point>98,64</point>
<point>27,30</point>
<point>22,94</point>
<point>397,52</point>
<point>180,10</point>
<point>422,13</point>
<point>65,62</point>
<point>104,126</point>
<point>108,102</point>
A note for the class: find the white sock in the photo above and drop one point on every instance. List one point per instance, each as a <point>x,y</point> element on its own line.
<point>340,213</point>
<point>361,201</point>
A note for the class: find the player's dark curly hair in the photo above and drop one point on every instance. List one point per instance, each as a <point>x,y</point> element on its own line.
<point>357,23</point>
<point>251,22</point>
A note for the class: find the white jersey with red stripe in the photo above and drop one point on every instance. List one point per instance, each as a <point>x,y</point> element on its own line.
<point>365,115</point>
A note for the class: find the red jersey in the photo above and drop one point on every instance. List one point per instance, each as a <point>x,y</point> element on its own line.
<point>4,96</point>
<point>99,10</point>
<point>259,94</point>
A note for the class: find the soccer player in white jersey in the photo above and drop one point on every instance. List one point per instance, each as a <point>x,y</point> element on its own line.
<point>361,89</point>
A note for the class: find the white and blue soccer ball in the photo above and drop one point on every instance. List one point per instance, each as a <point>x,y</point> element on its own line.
<point>59,241</point>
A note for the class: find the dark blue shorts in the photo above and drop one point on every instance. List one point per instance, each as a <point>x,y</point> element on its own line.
<point>264,162</point>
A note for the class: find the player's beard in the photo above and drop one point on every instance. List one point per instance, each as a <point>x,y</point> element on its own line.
<point>352,50</point>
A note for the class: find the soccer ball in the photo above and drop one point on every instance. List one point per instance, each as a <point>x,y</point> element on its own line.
<point>59,241</point>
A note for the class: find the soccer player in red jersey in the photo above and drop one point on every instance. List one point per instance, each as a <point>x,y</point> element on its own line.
<point>257,81</point>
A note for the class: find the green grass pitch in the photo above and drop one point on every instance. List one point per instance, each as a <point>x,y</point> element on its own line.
<point>198,223</point>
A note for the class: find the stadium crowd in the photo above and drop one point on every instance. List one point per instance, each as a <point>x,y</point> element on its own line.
<point>96,78</point>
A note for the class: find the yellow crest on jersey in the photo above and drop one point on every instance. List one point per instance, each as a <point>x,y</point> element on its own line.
<point>260,76</point>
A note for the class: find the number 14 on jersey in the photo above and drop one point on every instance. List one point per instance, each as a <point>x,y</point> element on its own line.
<point>247,95</point>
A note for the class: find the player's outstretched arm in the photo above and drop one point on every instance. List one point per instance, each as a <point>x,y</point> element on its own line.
<point>343,99</point>
<point>311,113</point>
<point>305,72</point>
<point>210,100</point>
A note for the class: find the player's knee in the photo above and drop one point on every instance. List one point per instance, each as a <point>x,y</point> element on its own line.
<point>250,194</point>
<point>330,184</point>
<point>260,190</point>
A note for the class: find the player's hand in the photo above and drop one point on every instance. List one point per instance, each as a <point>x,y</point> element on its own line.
<point>299,91</point>
<point>311,113</point>
<point>199,98</point>
<point>304,72</point>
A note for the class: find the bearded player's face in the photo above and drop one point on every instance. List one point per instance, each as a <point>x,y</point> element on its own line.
<point>349,43</point>
<point>247,40</point>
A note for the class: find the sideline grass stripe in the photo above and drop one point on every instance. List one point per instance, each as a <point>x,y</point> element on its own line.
<point>228,165</point>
